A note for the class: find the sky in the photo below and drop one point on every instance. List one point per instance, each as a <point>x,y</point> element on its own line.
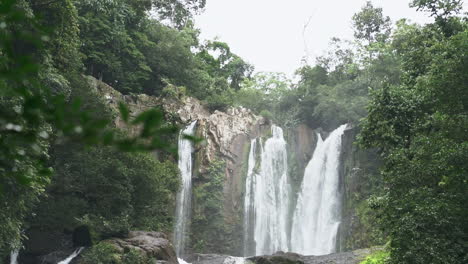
<point>270,33</point>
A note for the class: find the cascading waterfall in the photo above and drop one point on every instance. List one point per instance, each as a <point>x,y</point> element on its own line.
<point>267,200</point>
<point>72,256</point>
<point>184,196</point>
<point>249,207</point>
<point>317,215</point>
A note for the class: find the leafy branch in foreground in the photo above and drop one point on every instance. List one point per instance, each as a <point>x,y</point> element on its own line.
<point>31,113</point>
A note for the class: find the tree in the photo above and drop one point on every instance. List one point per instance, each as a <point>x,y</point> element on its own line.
<point>420,128</point>
<point>178,11</point>
<point>438,8</point>
<point>370,24</point>
<point>39,68</point>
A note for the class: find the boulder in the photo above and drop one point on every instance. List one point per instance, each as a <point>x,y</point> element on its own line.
<point>153,244</point>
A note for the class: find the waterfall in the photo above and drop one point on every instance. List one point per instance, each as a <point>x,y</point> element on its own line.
<point>317,215</point>
<point>72,256</point>
<point>14,256</point>
<point>267,197</point>
<point>184,196</point>
<point>249,208</point>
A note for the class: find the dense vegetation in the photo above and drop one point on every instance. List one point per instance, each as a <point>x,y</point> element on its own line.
<point>420,127</point>
<point>404,86</point>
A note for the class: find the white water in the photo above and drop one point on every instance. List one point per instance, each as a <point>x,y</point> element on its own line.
<point>184,196</point>
<point>267,200</point>
<point>181,261</point>
<point>14,256</point>
<point>72,256</point>
<point>234,260</point>
<point>317,215</point>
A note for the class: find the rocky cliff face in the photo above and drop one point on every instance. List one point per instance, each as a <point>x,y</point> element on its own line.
<point>227,137</point>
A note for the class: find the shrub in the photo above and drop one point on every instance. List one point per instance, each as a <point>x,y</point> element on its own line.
<point>378,257</point>
<point>105,253</point>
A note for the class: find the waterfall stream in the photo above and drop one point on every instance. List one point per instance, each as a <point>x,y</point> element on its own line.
<point>184,200</point>
<point>317,215</point>
<point>249,207</point>
<point>267,197</point>
<point>14,256</point>
<point>72,256</point>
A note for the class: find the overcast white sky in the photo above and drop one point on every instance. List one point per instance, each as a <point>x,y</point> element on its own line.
<point>269,33</point>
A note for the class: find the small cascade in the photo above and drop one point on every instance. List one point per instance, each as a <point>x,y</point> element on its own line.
<point>72,256</point>
<point>234,260</point>
<point>184,200</point>
<point>14,256</point>
<point>318,211</point>
<point>267,198</point>
<point>181,261</point>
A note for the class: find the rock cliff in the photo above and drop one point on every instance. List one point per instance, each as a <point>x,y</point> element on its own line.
<point>227,137</point>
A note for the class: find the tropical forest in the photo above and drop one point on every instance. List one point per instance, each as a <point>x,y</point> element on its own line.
<point>131,134</point>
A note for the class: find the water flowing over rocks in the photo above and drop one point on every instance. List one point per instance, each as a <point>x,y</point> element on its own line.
<point>184,196</point>
<point>318,211</point>
<point>267,197</point>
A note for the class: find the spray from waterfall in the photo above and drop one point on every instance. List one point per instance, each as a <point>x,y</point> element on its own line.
<point>184,196</point>
<point>318,210</point>
<point>267,198</point>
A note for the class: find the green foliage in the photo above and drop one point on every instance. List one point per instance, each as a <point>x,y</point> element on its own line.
<point>266,114</point>
<point>43,95</point>
<point>108,191</point>
<point>370,24</point>
<point>220,101</point>
<point>210,231</point>
<point>106,253</point>
<point>379,257</point>
<point>420,128</point>
<point>438,8</point>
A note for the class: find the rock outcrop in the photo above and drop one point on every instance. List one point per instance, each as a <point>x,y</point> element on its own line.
<point>226,135</point>
<point>153,245</point>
